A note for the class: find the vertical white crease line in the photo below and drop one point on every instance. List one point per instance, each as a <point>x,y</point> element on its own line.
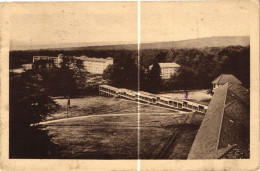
<point>138,88</point>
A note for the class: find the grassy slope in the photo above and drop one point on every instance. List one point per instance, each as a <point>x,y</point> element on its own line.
<point>116,137</point>
<point>101,105</point>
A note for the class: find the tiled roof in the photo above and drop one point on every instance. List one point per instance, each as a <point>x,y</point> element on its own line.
<point>224,78</point>
<point>226,123</point>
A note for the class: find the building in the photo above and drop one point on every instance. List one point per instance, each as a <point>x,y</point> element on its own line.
<point>224,132</point>
<point>27,66</point>
<point>22,69</point>
<point>167,69</point>
<point>17,70</point>
<point>92,65</point>
<point>96,65</point>
<point>188,105</point>
<point>195,106</point>
<point>223,79</point>
<point>56,59</point>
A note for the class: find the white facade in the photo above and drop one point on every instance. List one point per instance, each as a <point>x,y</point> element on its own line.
<point>168,69</point>
<point>27,66</point>
<point>92,65</point>
<point>96,65</point>
<point>17,70</point>
<point>168,72</point>
<point>57,60</point>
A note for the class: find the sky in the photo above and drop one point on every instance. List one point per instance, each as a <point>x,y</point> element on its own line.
<point>117,22</point>
<point>53,23</point>
<point>169,21</point>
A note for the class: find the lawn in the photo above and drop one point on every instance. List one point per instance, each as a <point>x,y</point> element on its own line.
<point>116,137</point>
<point>111,128</point>
<point>102,105</point>
<point>197,95</point>
<point>95,142</point>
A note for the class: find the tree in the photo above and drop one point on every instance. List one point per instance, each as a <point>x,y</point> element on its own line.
<point>123,74</point>
<point>115,75</point>
<point>108,74</point>
<point>29,105</point>
<point>80,76</point>
<point>154,78</point>
<point>43,64</point>
<point>67,80</point>
<point>185,78</point>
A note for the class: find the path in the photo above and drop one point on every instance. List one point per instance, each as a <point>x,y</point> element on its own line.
<point>108,114</point>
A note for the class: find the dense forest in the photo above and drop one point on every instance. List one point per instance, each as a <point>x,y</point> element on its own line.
<point>199,66</point>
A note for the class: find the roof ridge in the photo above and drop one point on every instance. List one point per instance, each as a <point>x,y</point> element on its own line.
<point>229,104</point>
<point>230,84</point>
<point>222,118</point>
<point>219,78</point>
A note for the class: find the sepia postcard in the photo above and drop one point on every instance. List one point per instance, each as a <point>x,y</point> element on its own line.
<point>129,85</point>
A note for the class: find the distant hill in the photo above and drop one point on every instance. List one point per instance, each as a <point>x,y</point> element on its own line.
<point>191,43</point>
<point>200,43</point>
<point>73,46</point>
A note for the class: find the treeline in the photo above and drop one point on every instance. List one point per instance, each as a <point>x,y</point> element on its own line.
<point>19,57</point>
<point>199,66</point>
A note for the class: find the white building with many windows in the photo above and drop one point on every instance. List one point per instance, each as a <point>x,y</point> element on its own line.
<point>168,69</point>
<point>96,65</point>
<point>56,59</point>
<point>91,64</point>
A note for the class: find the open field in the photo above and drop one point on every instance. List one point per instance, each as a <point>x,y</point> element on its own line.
<point>102,105</point>
<point>110,128</point>
<point>116,137</point>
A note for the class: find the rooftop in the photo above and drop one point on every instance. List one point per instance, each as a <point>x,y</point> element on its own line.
<point>204,103</point>
<point>45,56</point>
<point>147,94</point>
<point>127,90</point>
<point>168,65</point>
<point>109,87</point>
<point>226,124</point>
<point>224,78</point>
<point>93,59</point>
